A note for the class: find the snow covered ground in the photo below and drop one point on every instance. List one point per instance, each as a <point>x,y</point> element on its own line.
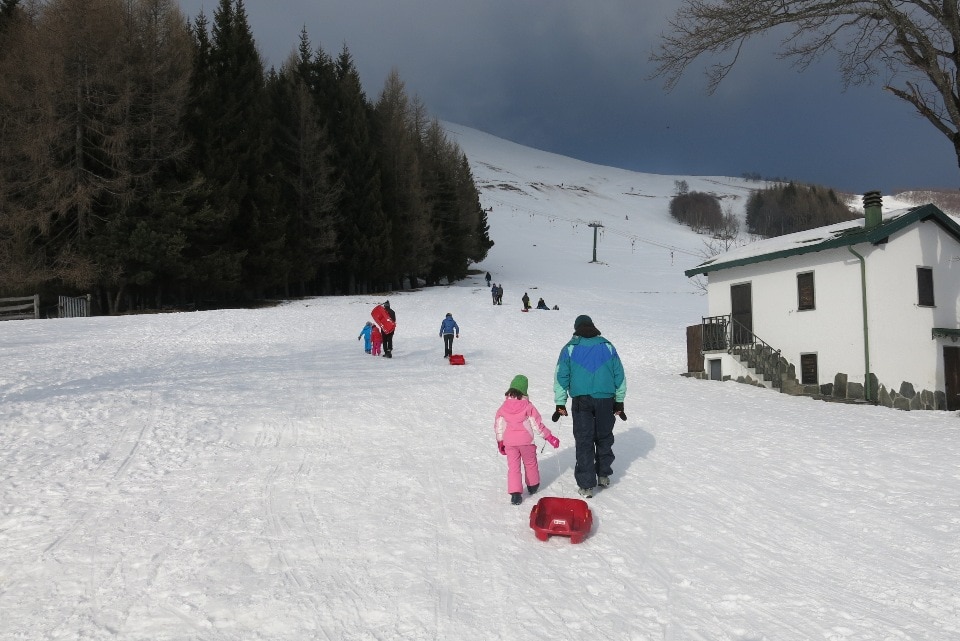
<point>252,474</point>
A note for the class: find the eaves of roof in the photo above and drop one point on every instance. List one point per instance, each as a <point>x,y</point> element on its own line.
<point>846,237</point>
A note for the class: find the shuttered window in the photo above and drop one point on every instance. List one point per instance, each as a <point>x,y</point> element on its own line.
<point>808,369</point>
<point>925,286</point>
<point>805,293</point>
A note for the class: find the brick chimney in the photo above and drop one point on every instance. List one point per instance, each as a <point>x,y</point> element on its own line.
<point>872,209</point>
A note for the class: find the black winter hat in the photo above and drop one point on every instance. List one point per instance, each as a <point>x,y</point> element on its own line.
<point>582,319</point>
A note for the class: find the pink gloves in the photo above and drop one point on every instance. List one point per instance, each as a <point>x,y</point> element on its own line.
<point>502,449</point>
<point>554,441</point>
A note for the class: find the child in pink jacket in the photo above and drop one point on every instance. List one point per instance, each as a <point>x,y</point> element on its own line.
<point>514,425</point>
<point>376,337</point>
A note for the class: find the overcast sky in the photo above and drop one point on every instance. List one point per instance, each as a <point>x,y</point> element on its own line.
<point>571,77</point>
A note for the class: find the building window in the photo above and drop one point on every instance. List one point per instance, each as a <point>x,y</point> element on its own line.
<point>925,286</point>
<point>808,369</point>
<point>805,293</point>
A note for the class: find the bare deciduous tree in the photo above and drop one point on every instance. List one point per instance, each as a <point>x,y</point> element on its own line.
<point>91,98</point>
<point>917,42</point>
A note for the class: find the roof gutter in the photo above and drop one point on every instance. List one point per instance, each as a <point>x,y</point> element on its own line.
<point>867,392</point>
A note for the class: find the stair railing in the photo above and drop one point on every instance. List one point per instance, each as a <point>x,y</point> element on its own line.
<point>725,333</point>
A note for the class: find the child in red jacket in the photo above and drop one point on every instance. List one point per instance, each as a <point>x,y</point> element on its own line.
<point>514,425</point>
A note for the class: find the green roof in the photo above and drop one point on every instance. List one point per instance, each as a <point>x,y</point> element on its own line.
<point>823,238</point>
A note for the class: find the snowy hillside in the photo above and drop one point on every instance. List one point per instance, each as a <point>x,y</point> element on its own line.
<point>252,474</point>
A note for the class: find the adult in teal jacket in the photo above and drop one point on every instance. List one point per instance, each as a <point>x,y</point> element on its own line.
<point>590,372</point>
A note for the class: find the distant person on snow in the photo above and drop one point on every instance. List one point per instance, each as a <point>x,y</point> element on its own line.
<point>493,293</point>
<point>448,329</point>
<point>542,305</point>
<point>514,426</point>
<point>526,301</point>
<point>365,335</point>
<point>590,371</point>
<point>388,336</point>
<point>488,277</point>
<point>500,294</point>
<point>376,337</point>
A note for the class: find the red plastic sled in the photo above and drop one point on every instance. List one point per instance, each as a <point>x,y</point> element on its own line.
<point>382,318</point>
<point>561,517</point>
<point>457,359</point>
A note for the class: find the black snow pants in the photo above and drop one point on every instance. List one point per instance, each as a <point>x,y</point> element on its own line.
<point>593,420</point>
<point>448,344</point>
<point>388,344</point>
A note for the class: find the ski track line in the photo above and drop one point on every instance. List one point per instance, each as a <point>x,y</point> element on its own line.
<point>149,425</point>
<point>303,412</point>
<point>157,411</point>
<point>277,529</point>
<point>290,451</point>
<point>873,614</point>
<point>103,459</point>
<point>201,621</point>
<point>443,611</point>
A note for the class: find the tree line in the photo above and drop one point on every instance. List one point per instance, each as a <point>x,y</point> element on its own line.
<point>701,212</point>
<point>784,209</point>
<point>773,211</point>
<point>156,162</point>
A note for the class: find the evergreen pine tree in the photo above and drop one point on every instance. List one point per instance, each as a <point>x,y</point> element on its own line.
<point>236,150</point>
<point>398,145</point>
<point>363,233</point>
<point>450,243</point>
<point>304,151</point>
<point>475,226</point>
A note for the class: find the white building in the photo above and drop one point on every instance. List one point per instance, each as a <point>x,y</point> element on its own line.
<point>862,309</point>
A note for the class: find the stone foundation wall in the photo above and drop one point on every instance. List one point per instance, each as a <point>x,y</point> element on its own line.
<point>906,398</point>
<point>843,391</point>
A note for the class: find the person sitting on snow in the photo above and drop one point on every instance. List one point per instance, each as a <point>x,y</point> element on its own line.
<point>542,305</point>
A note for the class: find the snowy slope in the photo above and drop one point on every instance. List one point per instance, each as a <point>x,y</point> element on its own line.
<point>251,474</point>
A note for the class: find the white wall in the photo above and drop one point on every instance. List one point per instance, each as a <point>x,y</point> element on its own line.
<point>901,347</point>
<point>833,330</point>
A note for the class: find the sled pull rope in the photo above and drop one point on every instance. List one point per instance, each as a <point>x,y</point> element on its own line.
<point>556,455</point>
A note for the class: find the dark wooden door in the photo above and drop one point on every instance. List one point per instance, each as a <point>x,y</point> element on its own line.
<point>741,313</point>
<point>695,348</point>
<point>951,376</point>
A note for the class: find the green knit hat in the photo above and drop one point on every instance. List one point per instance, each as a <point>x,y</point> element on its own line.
<point>519,383</point>
<point>582,319</point>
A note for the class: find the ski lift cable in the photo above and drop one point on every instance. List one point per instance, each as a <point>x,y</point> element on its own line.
<point>617,232</point>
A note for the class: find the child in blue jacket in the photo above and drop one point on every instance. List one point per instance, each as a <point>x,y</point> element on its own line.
<point>448,328</point>
<point>365,335</point>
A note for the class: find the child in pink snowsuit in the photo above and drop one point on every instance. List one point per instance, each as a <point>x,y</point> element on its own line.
<point>514,426</point>
<point>376,339</point>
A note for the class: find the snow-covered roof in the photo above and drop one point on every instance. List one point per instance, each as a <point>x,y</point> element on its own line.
<point>842,234</point>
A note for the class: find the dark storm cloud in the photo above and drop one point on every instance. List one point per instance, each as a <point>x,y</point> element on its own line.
<point>571,77</point>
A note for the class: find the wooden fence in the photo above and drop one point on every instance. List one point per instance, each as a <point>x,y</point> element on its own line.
<point>73,307</point>
<point>20,307</point>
